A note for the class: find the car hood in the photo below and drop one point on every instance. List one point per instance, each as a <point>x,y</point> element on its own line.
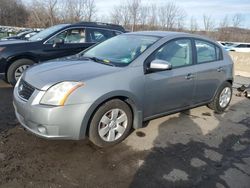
<point>45,75</point>
<point>12,41</point>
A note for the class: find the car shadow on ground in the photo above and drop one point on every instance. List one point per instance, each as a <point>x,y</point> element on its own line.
<point>199,161</point>
<point>7,116</point>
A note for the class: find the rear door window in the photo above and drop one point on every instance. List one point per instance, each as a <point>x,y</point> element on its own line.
<point>207,52</point>
<point>99,35</point>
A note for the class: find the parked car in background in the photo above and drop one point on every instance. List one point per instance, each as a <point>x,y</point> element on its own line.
<point>25,35</point>
<point>122,82</point>
<point>57,41</point>
<point>225,43</point>
<point>241,47</point>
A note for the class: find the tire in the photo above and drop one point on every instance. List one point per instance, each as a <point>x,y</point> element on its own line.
<point>20,63</point>
<point>215,104</point>
<point>97,127</point>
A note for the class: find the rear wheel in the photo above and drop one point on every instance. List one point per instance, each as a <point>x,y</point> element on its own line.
<point>111,123</point>
<point>16,69</point>
<point>222,98</point>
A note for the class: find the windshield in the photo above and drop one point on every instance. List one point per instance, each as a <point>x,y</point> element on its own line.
<point>121,50</point>
<point>22,33</point>
<point>47,32</point>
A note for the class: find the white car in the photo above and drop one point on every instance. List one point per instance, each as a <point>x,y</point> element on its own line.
<point>243,47</point>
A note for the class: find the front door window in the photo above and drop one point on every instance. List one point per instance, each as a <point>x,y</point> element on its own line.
<point>70,36</point>
<point>178,53</point>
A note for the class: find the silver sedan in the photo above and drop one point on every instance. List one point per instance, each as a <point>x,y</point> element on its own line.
<point>105,91</point>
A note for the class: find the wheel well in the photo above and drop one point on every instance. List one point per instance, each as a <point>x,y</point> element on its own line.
<point>10,61</point>
<point>122,98</point>
<point>230,81</point>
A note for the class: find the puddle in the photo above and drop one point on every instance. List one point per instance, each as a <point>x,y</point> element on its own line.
<point>140,134</point>
<point>245,122</point>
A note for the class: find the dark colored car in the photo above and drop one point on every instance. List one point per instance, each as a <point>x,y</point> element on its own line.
<point>25,35</point>
<point>55,42</point>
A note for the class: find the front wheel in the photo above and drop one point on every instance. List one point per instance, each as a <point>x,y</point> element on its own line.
<point>16,69</point>
<point>222,98</point>
<point>111,123</point>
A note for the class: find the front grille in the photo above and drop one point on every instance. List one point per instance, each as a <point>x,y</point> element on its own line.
<point>25,90</point>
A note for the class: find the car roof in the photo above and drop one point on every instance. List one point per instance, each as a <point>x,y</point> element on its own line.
<point>163,34</point>
<point>158,33</point>
<point>100,25</point>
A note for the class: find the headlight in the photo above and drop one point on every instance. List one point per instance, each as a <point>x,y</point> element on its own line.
<point>2,48</point>
<point>58,94</point>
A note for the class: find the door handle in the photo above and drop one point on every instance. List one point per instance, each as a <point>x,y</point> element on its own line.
<point>189,76</point>
<point>220,69</point>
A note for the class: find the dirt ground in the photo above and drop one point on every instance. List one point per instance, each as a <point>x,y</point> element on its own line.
<point>195,148</point>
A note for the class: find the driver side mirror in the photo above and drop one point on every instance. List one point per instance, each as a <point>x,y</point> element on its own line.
<point>159,65</point>
<point>57,42</point>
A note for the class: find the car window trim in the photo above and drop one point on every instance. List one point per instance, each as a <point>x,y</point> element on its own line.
<point>221,58</point>
<point>77,27</point>
<point>150,56</point>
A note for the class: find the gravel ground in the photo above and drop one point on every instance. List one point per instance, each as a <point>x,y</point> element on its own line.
<point>195,148</point>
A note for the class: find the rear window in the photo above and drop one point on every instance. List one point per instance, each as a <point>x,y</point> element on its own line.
<point>207,52</point>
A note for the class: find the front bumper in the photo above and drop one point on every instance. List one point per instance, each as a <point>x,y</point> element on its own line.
<point>62,122</point>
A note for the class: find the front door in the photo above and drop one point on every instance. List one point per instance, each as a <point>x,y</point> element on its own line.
<point>171,89</point>
<point>72,42</point>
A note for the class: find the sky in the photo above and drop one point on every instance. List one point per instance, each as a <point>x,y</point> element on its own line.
<point>217,9</point>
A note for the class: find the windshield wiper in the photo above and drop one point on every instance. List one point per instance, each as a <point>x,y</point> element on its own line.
<point>98,60</point>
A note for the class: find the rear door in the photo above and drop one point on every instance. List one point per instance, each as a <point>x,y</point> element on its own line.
<point>210,69</point>
<point>171,89</point>
<point>72,40</point>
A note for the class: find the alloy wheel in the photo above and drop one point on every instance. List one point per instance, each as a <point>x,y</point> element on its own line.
<point>225,97</point>
<point>19,71</point>
<point>112,125</point>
